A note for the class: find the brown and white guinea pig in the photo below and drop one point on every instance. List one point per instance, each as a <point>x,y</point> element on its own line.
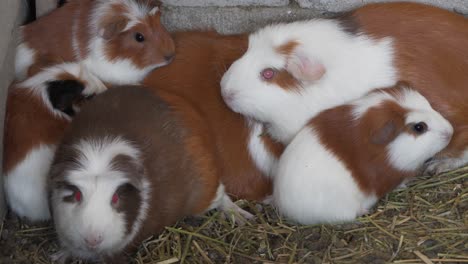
<point>347,157</point>
<point>119,41</point>
<point>37,112</point>
<point>127,167</point>
<point>292,71</point>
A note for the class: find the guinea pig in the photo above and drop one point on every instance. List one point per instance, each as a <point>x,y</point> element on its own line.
<point>347,157</point>
<point>37,112</point>
<point>291,72</point>
<point>127,167</point>
<point>237,142</point>
<point>120,41</point>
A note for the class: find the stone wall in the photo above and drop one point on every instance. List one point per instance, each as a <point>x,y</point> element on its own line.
<point>235,16</point>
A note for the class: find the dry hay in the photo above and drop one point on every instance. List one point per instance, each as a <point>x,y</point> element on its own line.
<point>424,223</point>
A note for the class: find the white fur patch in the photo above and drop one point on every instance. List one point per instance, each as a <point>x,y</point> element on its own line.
<point>264,160</point>
<point>119,71</point>
<point>26,184</point>
<point>153,11</point>
<point>94,216</point>
<point>363,104</point>
<point>408,152</point>
<point>23,60</point>
<point>313,186</point>
<point>354,64</point>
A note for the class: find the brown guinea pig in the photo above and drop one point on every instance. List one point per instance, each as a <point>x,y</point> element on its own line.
<point>127,167</point>
<point>238,143</point>
<point>119,41</point>
<point>37,112</point>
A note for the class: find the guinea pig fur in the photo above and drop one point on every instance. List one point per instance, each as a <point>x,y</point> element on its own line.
<point>349,156</point>
<point>119,41</point>
<point>293,71</point>
<point>37,112</point>
<point>125,169</point>
<point>236,142</point>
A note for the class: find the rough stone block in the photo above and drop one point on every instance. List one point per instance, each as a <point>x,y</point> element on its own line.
<point>229,20</point>
<point>226,2</point>
<point>459,6</point>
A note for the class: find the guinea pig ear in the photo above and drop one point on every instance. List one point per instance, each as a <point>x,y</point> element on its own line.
<point>303,67</point>
<point>385,134</point>
<point>155,6</point>
<point>111,28</point>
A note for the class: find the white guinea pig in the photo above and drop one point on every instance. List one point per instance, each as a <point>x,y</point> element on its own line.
<point>347,157</point>
<point>119,41</point>
<point>293,71</point>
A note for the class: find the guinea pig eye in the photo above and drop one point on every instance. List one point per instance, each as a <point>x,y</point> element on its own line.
<point>420,127</point>
<point>268,73</point>
<point>71,193</point>
<point>115,198</point>
<point>77,196</point>
<point>139,37</point>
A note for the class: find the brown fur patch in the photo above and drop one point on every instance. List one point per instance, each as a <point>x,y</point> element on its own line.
<point>285,80</point>
<point>287,48</point>
<point>54,43</point>
<point>282,77</point>
<point>273,146</point>
<point>349,23</point>
<point>28,124</point>
<point>361,154</point>
<point>210,54</point>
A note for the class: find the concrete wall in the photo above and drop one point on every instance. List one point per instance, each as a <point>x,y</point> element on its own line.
<point>235,16</point>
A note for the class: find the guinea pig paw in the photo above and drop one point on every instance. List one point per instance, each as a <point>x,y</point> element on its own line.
<point>239,216</point>
<point>269,200</point>
<point>363,211</point>
<point>232,210</point>
<point>438,166</point>
<point>60,257</point>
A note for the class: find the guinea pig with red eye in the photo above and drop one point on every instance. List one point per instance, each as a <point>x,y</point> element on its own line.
<point>37,112</point>
<point>128,166</point>
<point>347,157</point>
<point>119,41</point>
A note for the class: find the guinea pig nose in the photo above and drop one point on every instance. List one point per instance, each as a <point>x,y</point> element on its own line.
<point>169,57</point>
<point>93,241</point>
